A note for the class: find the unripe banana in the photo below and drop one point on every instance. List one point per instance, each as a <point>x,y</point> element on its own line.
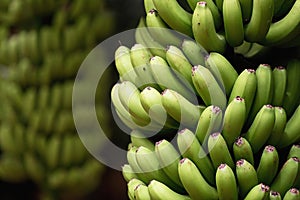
<point>264,89</point>
<point>190,148</point>
<point>34,167</point>
<point>260,21</point>
<point>246,177</point>
<point>194,52</point>
<point>279,126</point>
<point>273,195</point>
<point>268,165</point>
<point>245,87</point>
<point>131,185</point>
<point>148,5</point>
<point>218,151</point>
<point>160,191</point>
<point>294,151</point>
<point>291,131</point>
<point>160,31</point>
<point>128,173</point>
<point>210,121</point>
<point>53,151</point>
<point>246,7</point>
<point>280,81</point>
<point>286,176</point>
<point>182,110</point>
<point>226,183</point>
<point>12,168</point>
<point>193,182</point>
<point>233,22</point>
<point>141,192</point>
<point>138,139</point>
<point>234,119</point>
<point>243,150</point>
<point>292,96</point>
<point>261,128</point>
<point>168,158</point>
<point>175,16</point>
<point>204,29</point>
<point>208,88</point>
<point>223,71</point>
<point>258,192</point>
<point>292,194</point>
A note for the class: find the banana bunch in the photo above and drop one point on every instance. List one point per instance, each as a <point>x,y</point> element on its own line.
<point>224,124</point>
<point>183,170</point>
<point>42,45</point>
<point>246,26</point>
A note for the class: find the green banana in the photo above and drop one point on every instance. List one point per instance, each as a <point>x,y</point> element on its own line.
<point>141,192</point>
<point>12,168</point>
<point>285,28</point>
<point>286,176</point>
<point>128,173</point>
<point>53,151</point>
<point>179,108</point>
<point>214,11</point>
<point>210,121</point>
<point>246,7</point>
<point>292,96</point>
<point>175,16</point>
<point>233,22</point>
<point>124,65</point>
<point>234,119</point>
<point>193,181</point>
<point>260,21</point>
<point>245,87</point>
<point>194,52</point>
<point>258,192</point>
<point>290,134</point>
<point>268,165</point>
<point>279,126</point>
<point>190,148</point>
<point>160,31</point>
<point>138,139</point>
<point>280,82</point>
<point>218,151</point>
<point>273,195</point>
<point>204,29</point>
<point>148,5</point>
<point>160,191</point>
<point>246,177</point>
<point>226,183</point>
<point>294,151</point>
<point>242,150</point>
<point>222,69</point>
<point>264,89</point>
<point>166,78</point>
<point>34,167</point>
<point>292,194</point>
<point>168,158</point>
<point>131,185</point>
<point>261,128</point>
<point>208,88</point>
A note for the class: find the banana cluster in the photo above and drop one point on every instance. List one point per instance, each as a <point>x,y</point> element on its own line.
<point>248,26</point>
<point>42,46</point>
<point>224,124</point>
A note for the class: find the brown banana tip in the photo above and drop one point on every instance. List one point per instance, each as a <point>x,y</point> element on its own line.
<point>274,193</point>
<point>294,191</point>
<point>222,166</point>
<point>251,70</point>
<point>240,162</point>
<point>238,98</point>
<point>264,187</point>
<point>269,148</point>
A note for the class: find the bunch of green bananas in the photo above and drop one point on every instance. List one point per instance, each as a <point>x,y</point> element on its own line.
<point>42,45</point>
<point>248,26</point>
<point>218,117</point>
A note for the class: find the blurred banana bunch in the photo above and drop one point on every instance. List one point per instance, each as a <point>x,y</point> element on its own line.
<point>42,45</point>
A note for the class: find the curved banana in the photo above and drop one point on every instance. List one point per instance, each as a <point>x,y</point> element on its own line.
<point>208,88</point>
<point>280,82</point>
<point>204,29</point>
<point>175,16</point>
<point>218,151</point>
<point>234,119</point>
<point>245,87</point>
<point>258,192</point>
<point>141,192</point>
<point>246,177</point>
<point>194,52</point>
<point>260,21</point>
<point>131,185</point>
<point>268,165</point>
<point>261,128</point>
<point>190,148</point>
<point>273,195</point>
<point>233,22</point>
<point>160,191</point>
<point>160,31</point>
<point>128,173</point>
<point>193,181</point>
<point>285,28</point>
<point>226,183</point>
<point>242,150</point>
<point>292,194</point>
<point>222,69</point>
<point>34,167</point>
<point>286,176</point>
<point>279,126</point>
